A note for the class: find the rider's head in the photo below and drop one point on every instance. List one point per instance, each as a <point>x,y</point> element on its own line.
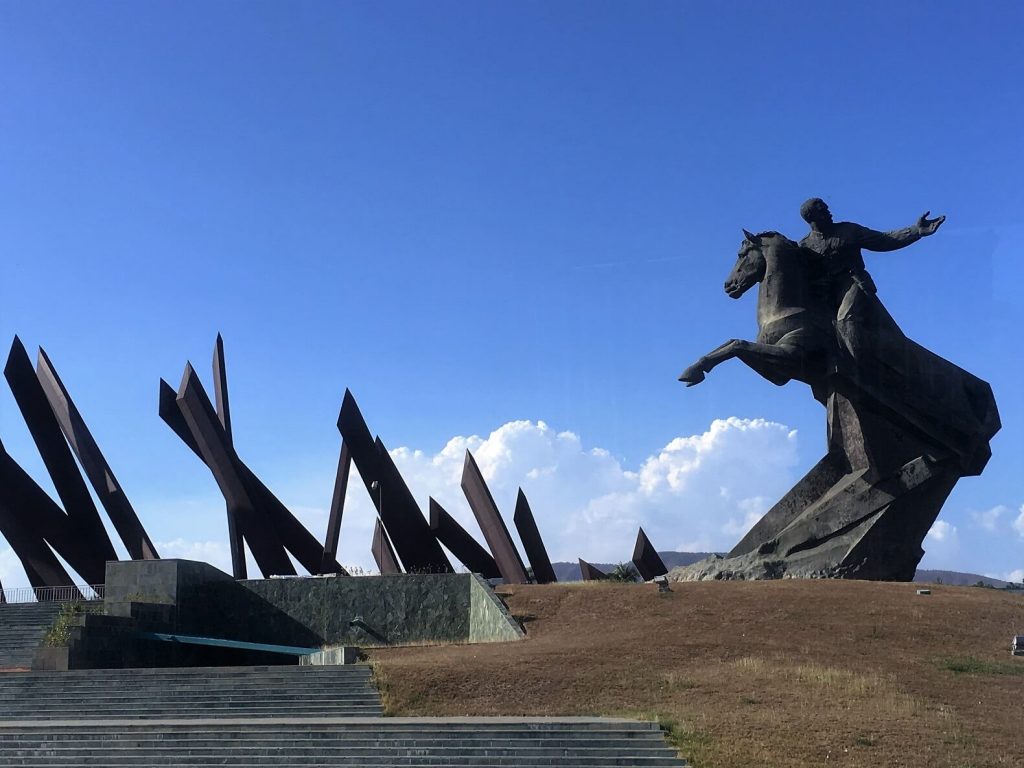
<point>816,211</point>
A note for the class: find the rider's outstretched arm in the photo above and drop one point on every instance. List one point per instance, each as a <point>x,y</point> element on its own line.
<point>873,240</point>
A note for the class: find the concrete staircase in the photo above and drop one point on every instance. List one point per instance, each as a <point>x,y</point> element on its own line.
<point>196,692</point>
<point>22,627</point>
<point>369,743</point>
<point>282,716</point>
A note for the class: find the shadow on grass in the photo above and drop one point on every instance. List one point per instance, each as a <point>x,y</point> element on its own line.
<point>969,665</point>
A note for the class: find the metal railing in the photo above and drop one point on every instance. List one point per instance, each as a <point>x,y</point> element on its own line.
<point>68,594</point>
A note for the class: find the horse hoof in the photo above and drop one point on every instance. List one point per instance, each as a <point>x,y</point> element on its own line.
<point>691,376</point>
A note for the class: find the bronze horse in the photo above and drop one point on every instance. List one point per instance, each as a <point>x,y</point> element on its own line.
<point>796,331</point>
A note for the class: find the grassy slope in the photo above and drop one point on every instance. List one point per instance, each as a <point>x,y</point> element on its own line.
<point>790,673</point>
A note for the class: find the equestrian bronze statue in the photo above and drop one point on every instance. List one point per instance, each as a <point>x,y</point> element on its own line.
<point>903,423</point>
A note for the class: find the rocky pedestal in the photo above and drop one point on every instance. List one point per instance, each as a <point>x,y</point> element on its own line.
<point>896,448</point>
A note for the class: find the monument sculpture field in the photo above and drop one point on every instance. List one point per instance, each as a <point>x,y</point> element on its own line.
<point>903,423</point>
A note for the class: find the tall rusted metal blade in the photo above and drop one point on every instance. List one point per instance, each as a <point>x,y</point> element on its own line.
<point>171,415</point>
<point>413,541</point>
<point>220,457</point>
<point>536,553</point>
<point>510,564</point>
<point>220,389</point>
<point>387,562</point>
<point>82,515</point>
<point>460,543</point>
<point>26,514</point>
<point>292,534</point>
<point>333,537</point>
<point>97,470</point>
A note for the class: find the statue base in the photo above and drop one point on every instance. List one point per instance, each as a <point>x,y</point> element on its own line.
<point>862,512</point>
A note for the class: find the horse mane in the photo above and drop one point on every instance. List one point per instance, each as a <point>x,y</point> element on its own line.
<point>772,233</point>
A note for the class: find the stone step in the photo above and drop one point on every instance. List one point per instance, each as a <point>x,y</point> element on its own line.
<point>213,739</point>
<point>109,696</point>
<point>364,742</point>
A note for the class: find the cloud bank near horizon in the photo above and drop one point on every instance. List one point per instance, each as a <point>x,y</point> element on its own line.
<point>697,493</point>
<point>700,492</point>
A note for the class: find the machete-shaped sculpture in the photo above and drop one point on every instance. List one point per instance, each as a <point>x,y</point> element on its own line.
<point>459,542</point>
<point>646,559</point>
<point>529,534</point>
<point>255,515</point>
<point>510,564</point>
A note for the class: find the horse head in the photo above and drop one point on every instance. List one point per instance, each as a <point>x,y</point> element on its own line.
<point>750,265</point>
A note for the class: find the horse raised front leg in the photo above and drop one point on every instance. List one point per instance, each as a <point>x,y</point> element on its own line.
<point>695,373</point>
<point>777,363</point>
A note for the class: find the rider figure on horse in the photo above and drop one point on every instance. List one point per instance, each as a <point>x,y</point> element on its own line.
<point>861,320</point>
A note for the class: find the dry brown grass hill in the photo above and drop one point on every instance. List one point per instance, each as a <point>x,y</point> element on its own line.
<point>748,675</point>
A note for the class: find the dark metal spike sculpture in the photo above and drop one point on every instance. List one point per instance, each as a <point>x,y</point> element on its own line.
<point>25,513</point>
<point>510,564</point>
<point>172,417</point>
<point>536,553</point>
<point>220,457</point>
<point>107,489</point>
<point>271,526</point>
<point>170,413</point>
<point>46,432</point>
<point>459,542</point>
<point>220,388</point>
<point>646,558</point>
<point>387,562</point>
<point>333,536</point>
<point>413,541</point>
<point>40,514</point>
<point>436,561</point>
<point>590,572</point>
<point>303,545</point>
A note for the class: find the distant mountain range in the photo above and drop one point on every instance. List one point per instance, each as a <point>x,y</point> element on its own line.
<point>571,571</point>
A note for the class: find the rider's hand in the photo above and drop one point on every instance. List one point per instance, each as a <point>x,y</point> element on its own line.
<point>926,226</point>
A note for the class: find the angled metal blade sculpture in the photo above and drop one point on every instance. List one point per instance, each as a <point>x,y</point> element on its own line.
<point>333,536</point>
<point>510,564</point>
<point>37,513</point>
<point>255,515</point>
<point>220,388</point>
<point>646,558</point>
<point>459,542</point>
<point>220,457</point>
<point>590,572</point>
<point>101,477</point>
<point>410,534</point>
<point>536,553</point>
<point>387,562</point>
<point>90,537</point>
<point>27,516</point>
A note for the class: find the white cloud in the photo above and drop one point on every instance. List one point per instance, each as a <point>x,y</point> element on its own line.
<point>941,531</point>
<point>942,547</point>
<point>216,553</point>
<point>1016,575</point>
<point>989,519</point>
<point>698,492</point>
<point>1018,524</point>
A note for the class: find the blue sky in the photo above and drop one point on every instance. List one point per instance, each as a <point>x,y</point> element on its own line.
<point>473,214</point>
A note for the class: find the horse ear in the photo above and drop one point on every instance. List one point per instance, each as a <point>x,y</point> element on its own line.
<point>752,238</point>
